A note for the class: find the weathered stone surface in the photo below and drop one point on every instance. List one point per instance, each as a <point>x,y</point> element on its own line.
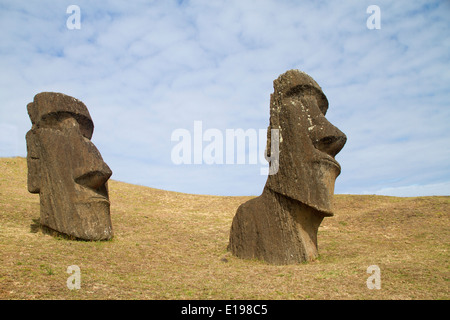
<point>66,169</point>
<point>281,225</point>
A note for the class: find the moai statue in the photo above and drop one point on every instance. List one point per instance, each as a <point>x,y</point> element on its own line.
<point>66,169</point>
<point>280,226</point>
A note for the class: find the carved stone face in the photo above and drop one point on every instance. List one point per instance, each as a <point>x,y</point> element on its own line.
<point>308,142</point>
<point>66,169</point>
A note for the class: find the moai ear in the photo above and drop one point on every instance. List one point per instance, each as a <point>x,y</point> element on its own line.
<point>33,163</point>
<point>268,143</point>
<point>267,152</point>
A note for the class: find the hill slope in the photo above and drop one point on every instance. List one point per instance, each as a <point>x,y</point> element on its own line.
<point>171,245</point>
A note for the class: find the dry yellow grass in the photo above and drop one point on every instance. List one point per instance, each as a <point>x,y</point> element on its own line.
<point>171,245</point>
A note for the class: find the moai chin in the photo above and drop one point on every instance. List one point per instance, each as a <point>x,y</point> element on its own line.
<point>280,226</point>
<point>66,169</point>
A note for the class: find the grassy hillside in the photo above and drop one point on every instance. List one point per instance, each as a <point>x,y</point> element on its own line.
<point>171,245</point>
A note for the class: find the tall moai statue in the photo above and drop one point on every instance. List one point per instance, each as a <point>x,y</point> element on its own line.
<point>66,169</point>
<point>280,226</point>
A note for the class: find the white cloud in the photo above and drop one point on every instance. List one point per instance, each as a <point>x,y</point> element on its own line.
<point>436,189</point>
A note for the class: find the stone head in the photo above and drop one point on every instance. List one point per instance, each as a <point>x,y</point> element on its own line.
<point>308,142</point>
<point>66,169</point>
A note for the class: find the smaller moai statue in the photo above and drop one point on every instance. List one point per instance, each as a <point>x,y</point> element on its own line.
<point>66,169</point>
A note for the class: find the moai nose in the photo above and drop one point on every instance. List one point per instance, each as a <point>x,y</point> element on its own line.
<point>94,178</point>
<point>329,139</point>
<point>92,171</point>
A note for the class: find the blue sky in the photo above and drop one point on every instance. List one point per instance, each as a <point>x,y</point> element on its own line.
<point>147,68</point>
